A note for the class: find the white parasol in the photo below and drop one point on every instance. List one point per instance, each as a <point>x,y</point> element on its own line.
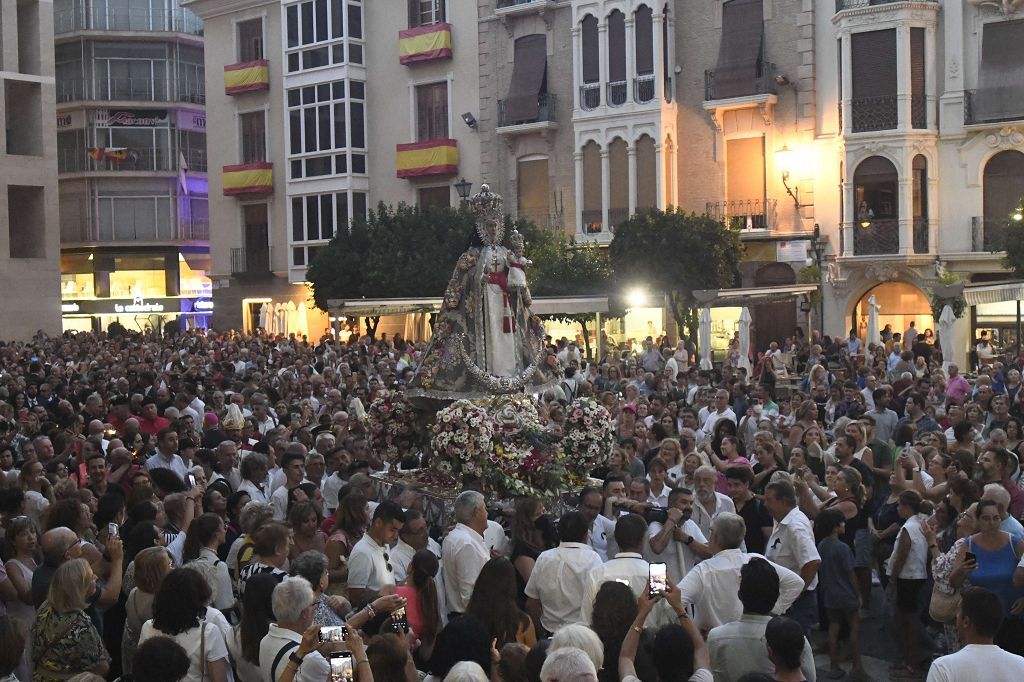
<point>744,360</point>
<point>704,336</point>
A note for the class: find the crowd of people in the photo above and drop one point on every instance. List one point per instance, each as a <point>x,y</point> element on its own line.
<point>204,507</point>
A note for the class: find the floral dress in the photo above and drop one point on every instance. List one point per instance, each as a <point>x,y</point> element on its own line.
<point>942,568</point>
<point>64,644</point>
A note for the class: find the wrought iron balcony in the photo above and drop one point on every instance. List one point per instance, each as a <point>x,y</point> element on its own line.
<point>617,93</point>
<point>750,214</point>
<point>874,113</point>
<point>921,232</point>
<point>878,237</point>
<point>988,235</point>
<point>125,159</point>
<point>643,88</point>
<point>191,90</point>
<point>250,261</point>
<point>617,216</point>
<point>590,96</point>
<point>981,106</point>
<point>545,112</point>
<point>918,112</point>
<point>732,81</point>
<point>858,4</point>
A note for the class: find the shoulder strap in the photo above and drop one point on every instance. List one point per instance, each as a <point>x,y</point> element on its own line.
<point>277,659</point>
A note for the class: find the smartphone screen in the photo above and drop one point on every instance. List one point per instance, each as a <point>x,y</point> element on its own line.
<point>400,620</point>
<point>341,666</point>
<point>332,633</point>
<point>112,530</point>
<point>191,480</point>
<point>659,579</point>
<point>971,556</point>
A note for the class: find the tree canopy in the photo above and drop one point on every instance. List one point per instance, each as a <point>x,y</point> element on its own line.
<point>676,253</point>
<point>1015,248</point>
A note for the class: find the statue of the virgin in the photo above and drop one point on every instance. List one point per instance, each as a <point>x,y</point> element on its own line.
<point>485,342</point>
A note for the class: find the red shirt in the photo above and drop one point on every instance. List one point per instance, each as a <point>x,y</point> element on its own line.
<point>153,427</point>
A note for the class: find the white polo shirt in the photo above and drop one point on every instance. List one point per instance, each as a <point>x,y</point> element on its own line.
<point>314,667</point>
<point>628,567</point>
<point>559,580</point>
<point>368,565</point>
<point>791,544</point>
<point>463,554</point>
<point>601,531</point>
<point>678,557</point>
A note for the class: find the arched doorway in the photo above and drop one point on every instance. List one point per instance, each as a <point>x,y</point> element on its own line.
<point>876,227</point>
<point>900,303</point>
<point>773,321</point>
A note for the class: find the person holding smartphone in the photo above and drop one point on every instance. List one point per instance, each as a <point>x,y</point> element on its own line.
<point>676,647</point>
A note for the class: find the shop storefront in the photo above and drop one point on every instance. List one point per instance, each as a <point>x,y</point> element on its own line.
<point>136,314</point>
<point>996,312</point>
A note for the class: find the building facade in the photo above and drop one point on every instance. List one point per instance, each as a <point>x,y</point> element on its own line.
<point>323,124</point>
<point>29,239</point>
<point>131,158</point>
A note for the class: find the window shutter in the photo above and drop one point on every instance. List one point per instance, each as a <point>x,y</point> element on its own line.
<point>591,51</point>
<point>874,64</point>
<point>616,47</point>
<point>644,37</point>
<point>741,49</point>
<point>528,78</point>
<point>1000,92</point>
<point>917,61</point>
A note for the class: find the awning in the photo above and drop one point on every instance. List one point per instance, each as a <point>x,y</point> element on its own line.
<point>993,293</point>
<point>724,298</point>
<point>740,50</point>
<point>569,305</point>
<point>542,305</point>
<point>528,75</point>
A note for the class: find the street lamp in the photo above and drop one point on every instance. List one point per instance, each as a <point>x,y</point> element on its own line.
<point>817,247</point>
<point>463,186</point>
<point>784,160</point>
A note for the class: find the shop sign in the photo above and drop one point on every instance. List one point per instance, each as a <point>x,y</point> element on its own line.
<point>202,305</point>
<point>131,118</point>
<point>71,119</point>
<point>791,252</point>
<point>137,306</point>
<point>191,120</point>
<point>70,307</point>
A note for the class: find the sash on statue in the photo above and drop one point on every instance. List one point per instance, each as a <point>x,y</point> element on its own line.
<point>508,322</point>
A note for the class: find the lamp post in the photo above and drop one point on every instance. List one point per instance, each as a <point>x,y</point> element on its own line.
<point>817,247</point>
<point>462,187</point>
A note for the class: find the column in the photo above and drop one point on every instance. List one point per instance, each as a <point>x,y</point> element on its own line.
<point>670,50</point>
<point>577,66</point>
<point>657,21</point>
<point>659,170</point>
<point>906,213</point>
<point>847,84</point>
<point>903,77</point>
<point>606,186</point>
<point>849,213</point>
<point>630,57</point>
<point>631,158</point>
<point>602,52</point>
<point>578,159</point>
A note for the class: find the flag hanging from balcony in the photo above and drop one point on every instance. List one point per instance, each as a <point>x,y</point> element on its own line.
<point>249,178</point>
<point>96,153</point>
<point>433,157</point>
<point>115,154</point>
<point>424,43</point>
<point>246,77</point>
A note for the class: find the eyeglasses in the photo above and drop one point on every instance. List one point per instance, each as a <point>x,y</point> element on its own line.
<point>387,562</point>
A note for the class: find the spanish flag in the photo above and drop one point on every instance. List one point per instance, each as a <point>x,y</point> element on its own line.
<point>96,153</point>
<point>249,178</point>
<point>117,153</point>
<point>424,43</point>
<point>433,157</point>
<point>246,77</point>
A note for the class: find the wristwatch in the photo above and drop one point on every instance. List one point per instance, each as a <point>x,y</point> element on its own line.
<point>295,658</point>
<point>688,541</point>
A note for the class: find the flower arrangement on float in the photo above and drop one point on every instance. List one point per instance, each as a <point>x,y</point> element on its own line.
<point>587,437</point>
<point>462,438</point>
<point>393,428</point>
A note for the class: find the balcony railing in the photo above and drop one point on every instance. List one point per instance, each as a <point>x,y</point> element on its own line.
<point>590,96</point>
<point>874,113</point>
<point>734,81</point>
<point>545,112</point>
<point>918,112</point>
<point>250,261</point>
<point>643,89</point>
<point>196,159</point>
<point>857,4</point>
<point>988,235</point>
<point>125,230</point>
<point>593,221</point>
<point>880,237</point>
<point>196,230</point>
<point>131,19</point>
<point>617,93</point>
<point>921,230</point>
<point>132,90</point>
<point>617,216</point>
<point>752,214</point>
<point>987,106</point>
<point>79,161</point>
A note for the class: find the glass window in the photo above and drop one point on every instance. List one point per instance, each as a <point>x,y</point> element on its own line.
<point>250,40</point>
<point>252,128</point>
<point>431,112</point>
<point>355,20</point>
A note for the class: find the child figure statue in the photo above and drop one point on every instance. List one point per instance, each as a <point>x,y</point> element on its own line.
<point>517,264</point>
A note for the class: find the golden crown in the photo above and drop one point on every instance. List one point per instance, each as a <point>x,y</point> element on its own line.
<point>487,205</point>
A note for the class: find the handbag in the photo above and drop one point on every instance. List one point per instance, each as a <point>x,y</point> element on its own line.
<point>944,605</point>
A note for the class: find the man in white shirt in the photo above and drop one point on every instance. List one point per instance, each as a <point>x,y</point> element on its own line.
<point>628,566</point>
<point>293,464</point>
<point>791,544</point>
<point>556,589</point>
<point>592,503</point>
<point>721,411</point>
<point>978,620</point>
<point>712,587</point>
<point>738,647</point>
<point>678,541</point>
<point>293,604</point>
<point>369,565</point>
<point>710,503</point>
<point>165,457</point>
<point>464,551</point>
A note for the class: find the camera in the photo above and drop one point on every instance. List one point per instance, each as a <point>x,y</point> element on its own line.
<point>656,515</point>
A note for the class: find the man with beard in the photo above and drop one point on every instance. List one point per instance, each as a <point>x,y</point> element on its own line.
<point>996,465</point>
<point>710,503</point>
<point>678,541</point>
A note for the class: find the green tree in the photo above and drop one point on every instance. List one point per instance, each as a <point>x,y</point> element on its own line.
<point>392,253</point>
<point>676,253</point>
<point>1014,259</point>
